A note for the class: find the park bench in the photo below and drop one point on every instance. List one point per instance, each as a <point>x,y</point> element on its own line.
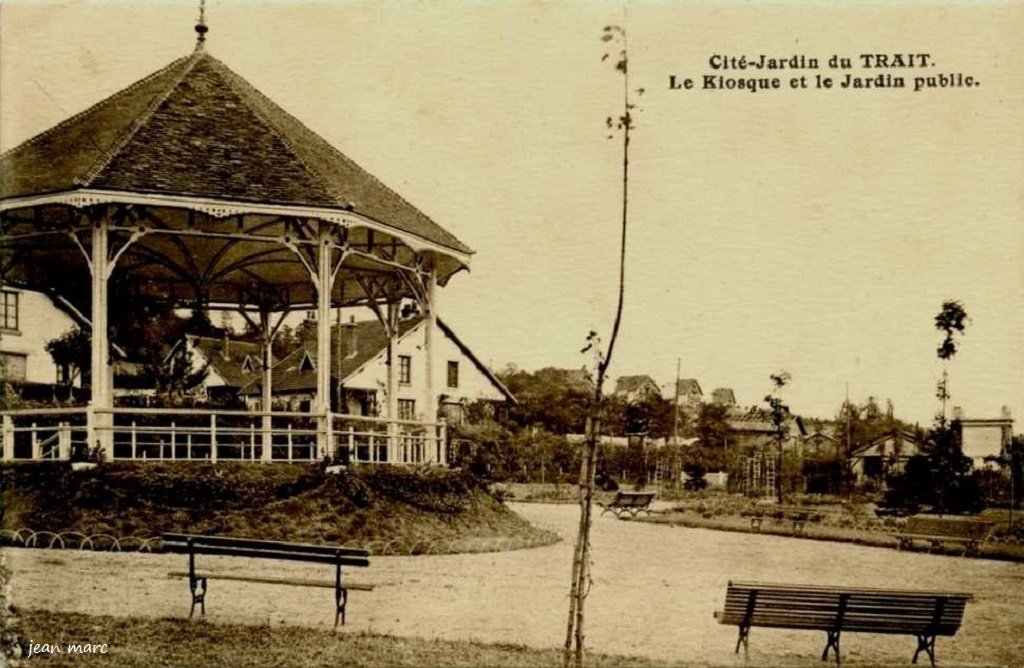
<point>628,502</point>
<point>923,614</point>
<point>264,549</point>
<point>797,516</point>
<point>937,531</point>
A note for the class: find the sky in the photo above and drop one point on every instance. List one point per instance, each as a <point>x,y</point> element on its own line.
<point>816,231</point>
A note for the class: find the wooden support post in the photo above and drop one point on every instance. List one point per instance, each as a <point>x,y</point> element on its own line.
<point>37,452</point>
<point>63,441</point>
<point>101,397</point>
<point>322,401</point>
<point>134,442</point>
<point>266,434</point>
<point>392,380</point>
<point>332,446</point>
<point>442,446</point>
<point>430,324</point>
<point>8,436</point>
<point>213,437</point>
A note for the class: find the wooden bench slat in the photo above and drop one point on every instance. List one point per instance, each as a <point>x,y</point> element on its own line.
<point>267,554</point>
<point>299,582</point>
<point>775,586</point>
<point>254,543</point>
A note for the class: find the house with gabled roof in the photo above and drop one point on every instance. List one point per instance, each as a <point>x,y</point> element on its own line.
<point>723,396</point>
<point>884,456</point>
<point>753,430</point>
<point>231,364</point>
<point>820,445</point>
<point>636,388</point>
<point>687,394</point>
<point>359,373</point>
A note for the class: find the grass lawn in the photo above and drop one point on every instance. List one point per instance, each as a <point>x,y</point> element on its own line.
<point>385,509</point>
<point>138,642</point>
<point>876,536</point>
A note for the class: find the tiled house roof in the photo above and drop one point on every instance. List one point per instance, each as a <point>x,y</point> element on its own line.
<point>625,384</point>
<point>296,373</point>
<point>687,386</point>
<point>290,375</point>
<point>723,396</point>
<point>195,128</point>
<point>901,441</point>
<point>759,422</point>
<point>227,358</point>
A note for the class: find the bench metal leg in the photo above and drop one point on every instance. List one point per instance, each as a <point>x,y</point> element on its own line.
<point>833,643</point>
<point>198,588</point>
<point>340,599</point>
<point>743,639</point>
<point>926,643</point>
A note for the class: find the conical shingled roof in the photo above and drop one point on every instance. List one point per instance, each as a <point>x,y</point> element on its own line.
<point>197,129</point>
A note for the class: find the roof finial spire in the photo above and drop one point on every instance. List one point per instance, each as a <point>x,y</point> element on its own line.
<point>201,28</point>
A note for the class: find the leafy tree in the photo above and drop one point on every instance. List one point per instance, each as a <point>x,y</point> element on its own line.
<point>555,399</point>
<point>913,488</point>
<point>485,449</point>
<point>956,489</point>
<point>780,418</point>
<point>942,479</point>
<point>952,486</point>
<point>657,412</point>
<point>951,321</point>
<point>72,353</point>
<point>175,378</point>
<point>713,428</point>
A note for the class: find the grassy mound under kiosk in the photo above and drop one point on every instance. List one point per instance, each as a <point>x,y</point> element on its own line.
<point>386,509</point>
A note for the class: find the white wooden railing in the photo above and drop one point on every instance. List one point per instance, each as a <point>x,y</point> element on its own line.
<point>198,434</point>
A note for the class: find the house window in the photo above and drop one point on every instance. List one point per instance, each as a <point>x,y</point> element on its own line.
<point>406,409</point>
<point>404,369</point>
<point>13,366</point>
<point>9,311</point>
<point>453,374</point>
<point>872,467</point>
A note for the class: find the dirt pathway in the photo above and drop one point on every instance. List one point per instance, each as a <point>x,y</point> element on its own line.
<point>655,589</point>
